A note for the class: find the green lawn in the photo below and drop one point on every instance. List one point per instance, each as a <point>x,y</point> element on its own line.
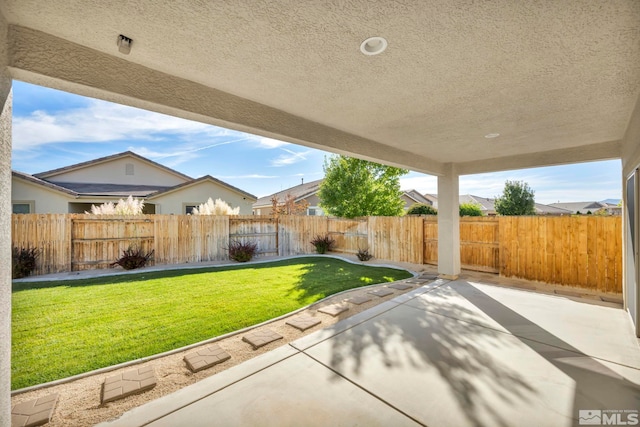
<point>69,327</point>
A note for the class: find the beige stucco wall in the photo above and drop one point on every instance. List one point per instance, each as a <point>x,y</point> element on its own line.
<point>173,202</point>
<point>631,265</point>
<point>631,143</point>
<point>5,230</point>
<point>44,199</point>
<point>313,200</point>
<point>113,172</point>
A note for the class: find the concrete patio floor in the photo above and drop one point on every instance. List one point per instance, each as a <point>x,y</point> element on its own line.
<point>451,353</point>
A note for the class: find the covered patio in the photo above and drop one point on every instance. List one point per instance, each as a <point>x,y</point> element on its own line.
<point>463,88</point>
<point>451,353</point>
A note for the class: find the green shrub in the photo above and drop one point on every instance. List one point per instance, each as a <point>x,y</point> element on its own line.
<point>421,209</point>
<point>133,258</point>
<point>23,262</point>
<point>364,255</point>
<point>470,209</point>
<point>242,251</point>
<point>323,244</point>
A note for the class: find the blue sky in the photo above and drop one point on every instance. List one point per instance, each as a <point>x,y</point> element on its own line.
<point>52,129</point>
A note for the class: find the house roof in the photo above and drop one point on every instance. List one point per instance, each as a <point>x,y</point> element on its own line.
<point>581,207</point>
<point>198,181</point>
<point>34,180</point>
<point>417,197</point>
<point>111,190</point>
<point>487,205</point>
<point>54,172</point>
<point>119,190</point>
<point>299,192</point>
<point>551,210</point>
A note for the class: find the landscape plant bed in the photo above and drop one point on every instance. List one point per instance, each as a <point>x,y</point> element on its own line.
<point>70,327</point>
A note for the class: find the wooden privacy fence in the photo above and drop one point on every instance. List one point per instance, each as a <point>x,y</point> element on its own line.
<point>583,251</point>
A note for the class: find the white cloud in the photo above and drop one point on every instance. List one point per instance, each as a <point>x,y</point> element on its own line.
<point>270,143</point>
<point>103,121</point>
<point>290,158</point>
<point>250,176</point>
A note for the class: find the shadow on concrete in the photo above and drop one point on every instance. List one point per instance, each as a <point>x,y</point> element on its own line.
<point>461,350</point>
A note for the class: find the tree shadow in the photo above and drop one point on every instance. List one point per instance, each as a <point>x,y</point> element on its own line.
<point>343,276</point>
<point>456,342</point>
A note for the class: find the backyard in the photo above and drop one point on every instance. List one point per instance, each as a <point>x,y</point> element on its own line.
<point>63,328</point>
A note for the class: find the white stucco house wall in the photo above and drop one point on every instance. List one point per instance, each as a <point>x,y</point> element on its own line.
<point>75,188</point>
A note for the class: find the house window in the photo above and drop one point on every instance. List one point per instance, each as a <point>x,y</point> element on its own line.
<point>311,212</point>
<point>22,208</point>
<point>128,169</point>
<point>188,209</point>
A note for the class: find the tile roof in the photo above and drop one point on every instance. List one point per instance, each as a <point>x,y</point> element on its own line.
<point>111,190</point>
<point>582,207</point>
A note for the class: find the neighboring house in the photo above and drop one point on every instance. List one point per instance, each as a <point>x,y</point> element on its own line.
<point>586,207</point>
<point>300,193</point>
<point>75,188</point>
<point>411,197</point>
<point>309,192</point>
<point>487,206</point>
<point>433,199</point>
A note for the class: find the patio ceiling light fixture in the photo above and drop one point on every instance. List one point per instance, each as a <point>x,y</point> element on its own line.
<point>492,135</point>
<point>124,44</point>
<point>373,46</point>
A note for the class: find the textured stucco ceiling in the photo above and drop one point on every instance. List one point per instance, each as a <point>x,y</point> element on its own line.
<point>548,75</point>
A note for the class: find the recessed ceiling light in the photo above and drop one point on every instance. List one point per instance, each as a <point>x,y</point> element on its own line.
<point>492,135</point>
<point>373,46</point>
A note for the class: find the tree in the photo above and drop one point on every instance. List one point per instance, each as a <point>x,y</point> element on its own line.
<point>470,209</point>
<point>289,206</point>
<point>354,188</point>
<point>517,199</point>
<point>421,209</point>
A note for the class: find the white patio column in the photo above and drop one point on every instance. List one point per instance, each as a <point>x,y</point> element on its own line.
<point>448,224</point>
<point>5,230</point>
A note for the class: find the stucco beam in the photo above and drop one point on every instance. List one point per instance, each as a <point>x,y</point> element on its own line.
<point>600,151</point>
<point>40,58</point>
<point>5,229</point>
<point>631,144</point>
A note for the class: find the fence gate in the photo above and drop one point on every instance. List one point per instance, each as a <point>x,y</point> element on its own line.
<point>96,243</point>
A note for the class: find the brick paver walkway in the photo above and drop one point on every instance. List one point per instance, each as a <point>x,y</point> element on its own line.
<point>261,338</point>
<point>34,412</point>
<point>358,300</point>
<point>382,292</point>
<point>334,309</point>
<point>304,322</point>
<point>127,383</point>
<point>206,358</point>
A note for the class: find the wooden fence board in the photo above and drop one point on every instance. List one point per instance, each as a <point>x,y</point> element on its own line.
<point>583,251</point>
<point>350,234</point>
<point>295,233</point>
<point>263,230</point>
